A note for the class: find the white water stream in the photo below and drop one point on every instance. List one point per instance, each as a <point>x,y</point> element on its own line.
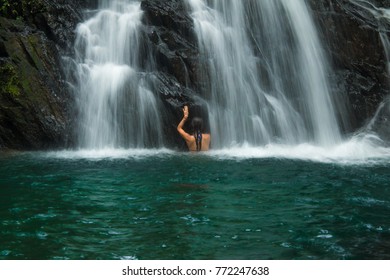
<point>278,92</point>
<point>117,108</point>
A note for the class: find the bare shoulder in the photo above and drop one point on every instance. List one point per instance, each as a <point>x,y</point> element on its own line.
<point>187,137</point>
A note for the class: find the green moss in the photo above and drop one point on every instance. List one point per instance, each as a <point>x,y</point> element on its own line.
<point>26,85</point>
<point>34,48</point>
<point>12,89</point>
<point>33,40</point>
<point>9,82</point>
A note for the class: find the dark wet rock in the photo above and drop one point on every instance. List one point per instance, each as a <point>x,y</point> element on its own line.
<point>352,38</point>
<point>380,122</point>
<point>32,97</point>
<point>35,105</point>
<point>171,39</point>
<point>174,96</point>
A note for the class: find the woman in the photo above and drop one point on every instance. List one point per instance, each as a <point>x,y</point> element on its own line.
<point>198,141</point>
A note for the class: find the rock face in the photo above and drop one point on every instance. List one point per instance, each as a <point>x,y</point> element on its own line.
<point>352,36</point>
<point>32,97</point>
<point>171,39</point>
<point>36,106</point>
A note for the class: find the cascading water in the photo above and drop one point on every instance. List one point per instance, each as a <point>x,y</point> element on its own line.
<point>264,71</point>
<point>117,109</point>
<point>277,92</point>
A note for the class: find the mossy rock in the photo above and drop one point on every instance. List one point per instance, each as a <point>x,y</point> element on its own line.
<point>9,81</point>
<point>32,96</point>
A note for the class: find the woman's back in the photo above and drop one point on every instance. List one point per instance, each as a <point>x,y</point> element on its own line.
<point>205,143</point>
<point>197,141</point>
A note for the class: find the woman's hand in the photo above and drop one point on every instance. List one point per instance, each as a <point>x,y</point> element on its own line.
<point>182,122</point>
<point>185,112</point>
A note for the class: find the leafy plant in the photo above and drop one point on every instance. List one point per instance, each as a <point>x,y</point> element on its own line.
<point>20,9</point>
<point>8,8</point>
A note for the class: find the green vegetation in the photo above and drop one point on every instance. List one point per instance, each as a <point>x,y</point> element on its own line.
<point>9,82</point>
<point>7,9</point>
<point>20,9</point>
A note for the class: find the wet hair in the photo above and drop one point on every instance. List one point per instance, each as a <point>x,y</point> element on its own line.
<point>197,126</point>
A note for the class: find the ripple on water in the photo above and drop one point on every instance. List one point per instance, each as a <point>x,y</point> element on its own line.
<point>5,253</point>
<point>325,236</point>
<point>114,232</point>
<point>86,222</point>
<point>371,227</point>
<point>128,258</point>
<point>286,245</point>
<point>191,220</point>
<point>45,216</point>
<point>369,202</point>
<point>42,235</point>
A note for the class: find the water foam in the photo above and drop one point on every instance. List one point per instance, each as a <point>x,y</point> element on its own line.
<point>358,150</point>
<point>108,153</point>
<point>361,149</point>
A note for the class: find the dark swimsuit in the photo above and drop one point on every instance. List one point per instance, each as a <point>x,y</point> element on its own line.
<point>198,140</point>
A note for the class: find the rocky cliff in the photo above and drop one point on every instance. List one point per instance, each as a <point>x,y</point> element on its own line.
<point>351,35</point>
<point>36,105</point>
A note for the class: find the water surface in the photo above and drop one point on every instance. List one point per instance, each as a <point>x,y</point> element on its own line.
<point>170,205</point>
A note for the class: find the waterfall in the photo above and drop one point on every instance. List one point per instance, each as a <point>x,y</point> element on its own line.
<point>275,92</point>
<point>117,109</point>
<point>263,76</point>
